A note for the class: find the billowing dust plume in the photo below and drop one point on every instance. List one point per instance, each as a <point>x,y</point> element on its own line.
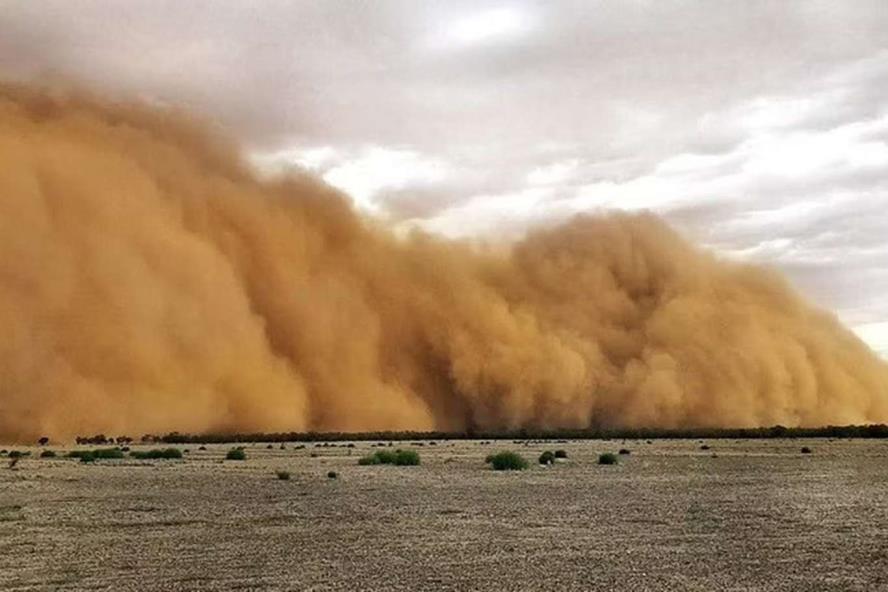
<point>149,282</point>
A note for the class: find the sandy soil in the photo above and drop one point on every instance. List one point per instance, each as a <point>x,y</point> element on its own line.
<point>744,515</point>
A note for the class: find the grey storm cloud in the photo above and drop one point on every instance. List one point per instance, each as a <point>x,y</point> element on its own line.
<point>759,128</point>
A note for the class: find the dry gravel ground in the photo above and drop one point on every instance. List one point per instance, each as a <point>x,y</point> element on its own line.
<point>757,516</point>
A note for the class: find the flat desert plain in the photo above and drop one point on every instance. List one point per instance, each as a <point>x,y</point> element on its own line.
<point>743,515</point>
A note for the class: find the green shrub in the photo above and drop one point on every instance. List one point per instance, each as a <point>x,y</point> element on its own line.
<point>508,461</point>
<point>607,458</point>
<point>47,454</point>
<point>168,453</point>
<point>18,454</point>
<point>101,453</point>
<point>236,454</point>
<point>406,458</point>
<point>401,458</point>
<point>386,457</point>
<point>547,458</point>
<point>560,454</point>
<point>88,456</point>
<point>283,475</point>
<point>83,455</point>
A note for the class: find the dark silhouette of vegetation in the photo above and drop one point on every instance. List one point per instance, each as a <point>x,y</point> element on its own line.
<point>625,451</point>
<point>48,454</point>
<point>521,436</point>
<point>236,454</point>
<point>507,461</point>
<point>98,439</point>
<point>43,441</point>
<point>704,447</point>
<point>18,454</point>
<point>806,450</point>
<point>560,453</point>
<point>547,458</point>
<point>158,453</point>
<point>332,475</point>
<point>607,458</point>
<point>282,475</point>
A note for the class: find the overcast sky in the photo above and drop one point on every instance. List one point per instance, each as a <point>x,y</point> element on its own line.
<point>757,128</point>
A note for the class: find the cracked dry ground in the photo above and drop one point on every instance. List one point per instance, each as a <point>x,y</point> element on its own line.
<point>745,515</point>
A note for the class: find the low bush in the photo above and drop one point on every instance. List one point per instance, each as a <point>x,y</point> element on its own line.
<point>406,458</point>
<point>48,454</point>
<point>401,458</point>
<point>283,475</point>
<point>704,447</point>
<point>607,458</point>
<point>236,454</point>
<point>386,457</point>
<point>157,453</point>
<point>561,453</point>
<point>625,451</point>
<point>332,475</point>
<point>806,450</point>
<point>508,461</point>
<point>108,453</point>
<point>547,458</point>
<point>18,454</point>
<point>88,456</point>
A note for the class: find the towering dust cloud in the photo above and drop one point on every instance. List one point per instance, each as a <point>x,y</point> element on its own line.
<point>149,282</point>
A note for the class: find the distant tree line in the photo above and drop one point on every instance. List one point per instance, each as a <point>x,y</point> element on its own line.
<point>851,431</point>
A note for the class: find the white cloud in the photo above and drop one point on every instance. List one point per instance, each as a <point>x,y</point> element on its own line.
<point>485,27</point>
<point>558,172</point>
<point>377,168</point>
<point>876,335</point>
